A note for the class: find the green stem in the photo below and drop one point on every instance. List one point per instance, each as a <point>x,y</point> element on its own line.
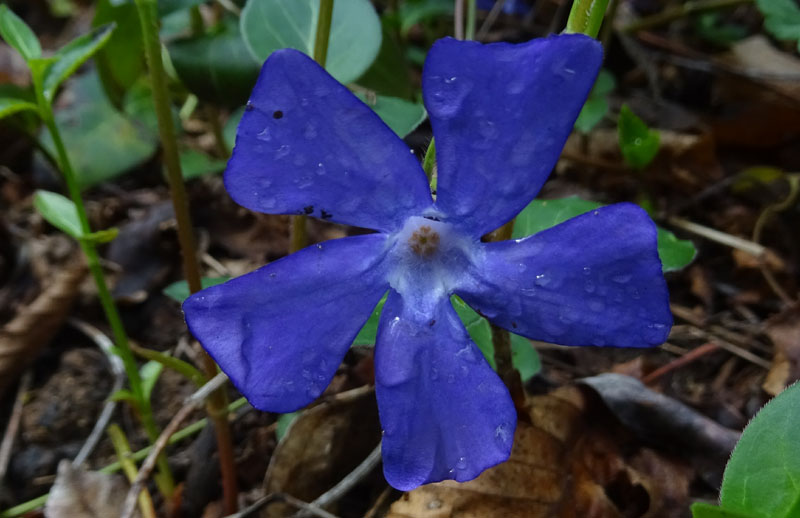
<point>216,404</point>
<point>681,11</point>
<point>123,451</point>
<point>586,17</point>
<point>469,32</point>
<point>298,233</point>
<point>89,249</point>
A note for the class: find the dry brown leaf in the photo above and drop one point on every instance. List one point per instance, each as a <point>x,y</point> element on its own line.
<point>85,494</point>
<point>567,464</point>
<point>322,446</point>
<point>784,331</point>
<point>35,324</point>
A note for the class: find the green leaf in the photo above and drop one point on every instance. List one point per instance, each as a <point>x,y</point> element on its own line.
<point>389,74</point>
<point>102,143</point>
<point>596,105</point>
<point>11,105</point>
<point>149,372</point>
<point>542,214</point>
<point>638,143</point>
<point>195,164</point>
<point>524,357</point>
<point>478,328</point>
<point>72,56</point>
<point>17,34</point>
<point>123,395</point>
<point>186,369</point>
<point>101,236</point>
<point>762,479</point>
<point>59,211</point>
<point>121,60</point>
<point>283,423</point>
<point>269,25</point>
<point>179,291</point>
<point>370,330</point>
<point>400,115</point>
<point>216,66</point>
<point>231,125</point>
<point>711,28</point>
<point>702,510</point>
<point>781,18</point>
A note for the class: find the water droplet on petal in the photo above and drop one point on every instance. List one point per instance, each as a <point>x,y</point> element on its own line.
<point>622,279</point>
<point>264,135</point>
<point>320,169</point>
<point>462,463</point>
<point>282,151</point>
<point>589,287</point>
<point>542,280</point>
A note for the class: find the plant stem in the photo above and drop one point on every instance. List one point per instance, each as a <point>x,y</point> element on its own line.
<point>123,451</point>
<point>298,233</point>
<point>680,11</point>
<point>469,32</point>
<point>502,340</point>
<point>89,249</point>
<point>586,17</point>
<point>216,403</point>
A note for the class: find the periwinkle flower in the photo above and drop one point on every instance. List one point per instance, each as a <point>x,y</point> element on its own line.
<point>500,115</point>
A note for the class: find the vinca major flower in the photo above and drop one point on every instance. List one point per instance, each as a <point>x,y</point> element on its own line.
<point>500,115</point>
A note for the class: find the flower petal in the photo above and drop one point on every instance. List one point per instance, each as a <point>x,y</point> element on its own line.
<point>501,114</point>
<point>593,280</point>
<point>445,413</point>
<point>306,145</point>
<point>281,331</point>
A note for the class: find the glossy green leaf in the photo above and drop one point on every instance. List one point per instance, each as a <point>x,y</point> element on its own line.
<point>638,143</point>
<point>389,74</point>
<point>355,39</point>
<point>102,143</point>
<point>16,33</point>
<point>596,106</point>
<point>701,510</point>
<point>216,66</point>
<point>121,60</point>
<point>370,330</point>
<point>400,115</point>
<point>149,373</point>
<point>542,214</point>
<point>72,56</point>
<point>762,478</point>
<point>11,105</point>
<point>59,211</point>
<point>179,291</point>
<point>524,357</point>
<point>781,18</point>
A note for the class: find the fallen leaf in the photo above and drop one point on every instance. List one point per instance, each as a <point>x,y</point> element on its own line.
<point>568,463</point>
<point>35,325</point>
<point>321,446</point>
<point>85,494</point>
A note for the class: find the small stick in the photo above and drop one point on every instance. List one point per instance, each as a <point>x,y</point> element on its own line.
<point>13,424</point>
<point>722,238</point>
<point>680,362</point>
<point>347,483</point>
<point>117,368</point>
<point>282,497</point>
<point>680,11</point>
<point>490,19</point>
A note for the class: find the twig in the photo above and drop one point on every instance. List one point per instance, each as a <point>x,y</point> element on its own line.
<point>282,497</point>
<point>206,390</point>
<point>123,450</point>
<point>380,502</point>
<point>347,483</point>
<point>719,237</point>
<point>490,19</point>
<point>117,368</point>
<point>680,362</point>
<point>13,423</point>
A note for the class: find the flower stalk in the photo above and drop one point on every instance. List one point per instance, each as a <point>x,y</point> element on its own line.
<point>298,232</point>
<point>216,404</point>
<point>586,17</point>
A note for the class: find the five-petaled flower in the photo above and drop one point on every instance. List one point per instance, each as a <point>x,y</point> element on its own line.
<point>500,115</point>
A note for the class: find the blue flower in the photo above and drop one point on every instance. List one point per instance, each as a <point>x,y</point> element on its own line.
<point>500,115</point>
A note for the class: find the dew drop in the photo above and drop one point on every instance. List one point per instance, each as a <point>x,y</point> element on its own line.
<point>587,270</point>
<point>462,463</point>
<point>521,267</point>
<point>589,287</point>
<point>282,151</point>
<point>320,169</point>
<point>264,135</point>
<point>487,129</point>
<point>542,280</point>
<point>622,279</point>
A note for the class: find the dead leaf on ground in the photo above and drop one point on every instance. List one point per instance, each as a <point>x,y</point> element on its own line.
<point>784,331</point>
<point>85,494</point>
<point>572,462</point>
<point>322,446</point>
<point>35,324</point>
